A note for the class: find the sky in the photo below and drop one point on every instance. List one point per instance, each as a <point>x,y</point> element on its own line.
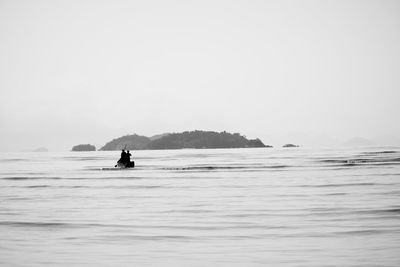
<point>75,72</point>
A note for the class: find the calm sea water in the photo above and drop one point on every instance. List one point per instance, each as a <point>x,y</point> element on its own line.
<point>228,207</point>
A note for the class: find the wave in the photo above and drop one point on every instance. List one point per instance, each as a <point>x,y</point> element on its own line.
<point>14,160</point>
<point>367,158</point>
<point>33,224</point>
<point>69,178</point>
<point>167,227</point>
<point>339,185</point>
<point>84,158</point>
<point>395,211</point>
<point>96,187</point>
<point>216,167</point>
<point>390,213</point>
<point>57,224</point>
<point>18,178</point>
<point>363,232</point>
<point>359,161</point>
<point>37,186</point>
<point>380,152</point>
<point>145,237</point>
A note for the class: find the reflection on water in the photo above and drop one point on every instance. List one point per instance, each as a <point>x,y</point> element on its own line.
<point>224,207</point>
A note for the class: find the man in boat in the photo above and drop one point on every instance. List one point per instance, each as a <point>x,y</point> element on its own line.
<point>129,163</point>
<point>125,160</point>
<point>128,156</point>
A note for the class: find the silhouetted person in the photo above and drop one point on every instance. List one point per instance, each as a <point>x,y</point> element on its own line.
<point>123,156</point>
<point>128,156</point>
<point>123,160</point>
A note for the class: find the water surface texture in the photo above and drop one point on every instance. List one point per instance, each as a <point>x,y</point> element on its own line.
<point>223,207</point>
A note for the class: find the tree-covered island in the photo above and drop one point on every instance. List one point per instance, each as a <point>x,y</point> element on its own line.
<point>188,139</point>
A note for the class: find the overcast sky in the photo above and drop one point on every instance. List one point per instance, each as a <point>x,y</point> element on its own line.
<point>88,71</point>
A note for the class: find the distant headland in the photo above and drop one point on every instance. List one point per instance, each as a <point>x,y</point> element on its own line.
<point>290,145</point>
<point>189,139</point>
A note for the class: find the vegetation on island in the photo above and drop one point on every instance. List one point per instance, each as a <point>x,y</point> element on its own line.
<point>188,139</point>
<point>84,147</point>
<point>203,139</point>
<point>130,142</point>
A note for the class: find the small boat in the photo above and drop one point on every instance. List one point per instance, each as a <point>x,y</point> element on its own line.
<point>130,164</point>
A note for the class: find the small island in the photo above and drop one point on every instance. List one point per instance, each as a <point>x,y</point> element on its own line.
<point>290,145</point>
<point>86,147</point>
<point>189,139</point>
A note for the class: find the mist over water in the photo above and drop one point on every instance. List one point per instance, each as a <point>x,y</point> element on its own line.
<point>222,207</point>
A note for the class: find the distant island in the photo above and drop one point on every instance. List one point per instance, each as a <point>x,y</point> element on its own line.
<point>86,147</point>
<point>290,145</point>
<point>188,139</point>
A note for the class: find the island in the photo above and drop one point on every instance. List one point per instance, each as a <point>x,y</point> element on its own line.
<point>190,139</point>
<point>290,145</point>
<point>86,147</point>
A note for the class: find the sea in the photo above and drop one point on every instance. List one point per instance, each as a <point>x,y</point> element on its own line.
<point>202,207</point>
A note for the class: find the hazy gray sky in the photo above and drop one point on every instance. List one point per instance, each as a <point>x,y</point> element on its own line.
<point>88,71</point>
